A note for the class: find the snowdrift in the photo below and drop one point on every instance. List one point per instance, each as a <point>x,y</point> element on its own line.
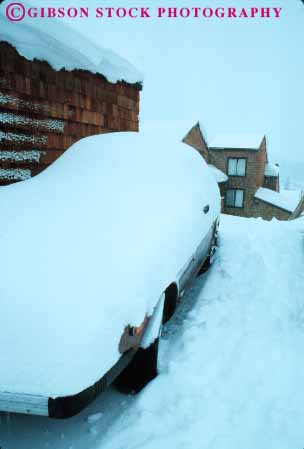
<point>232,369</point>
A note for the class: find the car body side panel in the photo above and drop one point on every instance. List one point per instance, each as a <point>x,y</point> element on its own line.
<point>197,259</point>
<point>24,403</point>
<point>68,406</point>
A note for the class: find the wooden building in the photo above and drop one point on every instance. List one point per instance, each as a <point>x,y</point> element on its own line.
<point>252,184</point>
<point>44,110</point>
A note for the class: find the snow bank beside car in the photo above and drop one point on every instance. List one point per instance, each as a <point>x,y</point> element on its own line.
<point>231,371</point>
<point>233,378</point>
<point>88,247</point>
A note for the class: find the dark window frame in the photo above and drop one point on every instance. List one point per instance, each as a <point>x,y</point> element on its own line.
<point>235,207</point>
<point>237,158</point>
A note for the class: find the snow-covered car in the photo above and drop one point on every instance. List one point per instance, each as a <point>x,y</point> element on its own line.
<point>96,251</point>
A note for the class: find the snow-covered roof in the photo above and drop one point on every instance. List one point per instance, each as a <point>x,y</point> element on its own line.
<point>97,219</point>
<point>237,141</point>
<point>280,200</point>
<point>63,47</point>
<point>292,196</point>
<point>218,174</point>
<point>271,170</point>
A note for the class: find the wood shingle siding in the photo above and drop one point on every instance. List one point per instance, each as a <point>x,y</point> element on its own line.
<point>44,111</point>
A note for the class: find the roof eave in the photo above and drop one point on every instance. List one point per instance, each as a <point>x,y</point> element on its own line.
<point>233,149</point>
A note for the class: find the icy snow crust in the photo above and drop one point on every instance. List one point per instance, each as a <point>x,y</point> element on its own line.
<point>63,47</point>
<point>88,247</point>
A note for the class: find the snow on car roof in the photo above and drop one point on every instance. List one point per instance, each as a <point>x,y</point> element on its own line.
<point>281,200</point>
<point>63,47</point>
<point>90,244</point>
<point>237,141</point>
<point>218,174</point>
<point>272,170</point>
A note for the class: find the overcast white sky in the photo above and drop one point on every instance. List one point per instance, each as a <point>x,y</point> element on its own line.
<point>233,75</point>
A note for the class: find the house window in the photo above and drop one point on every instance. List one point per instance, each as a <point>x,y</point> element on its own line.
<point>237,166</point>
<point>235,198</point>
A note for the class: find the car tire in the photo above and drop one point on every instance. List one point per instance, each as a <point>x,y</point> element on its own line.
<point>140,371</point>
<point>205,267</point>
<point>171,299</point>
<point>207,264</point>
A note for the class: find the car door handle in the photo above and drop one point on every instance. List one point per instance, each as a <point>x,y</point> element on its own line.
<point>206,209</point>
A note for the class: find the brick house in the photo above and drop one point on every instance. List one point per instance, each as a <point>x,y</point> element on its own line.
<point>44,110</point>
<point>252,185</point>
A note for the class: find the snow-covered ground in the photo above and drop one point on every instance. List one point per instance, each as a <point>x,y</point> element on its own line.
<point>231,361</point>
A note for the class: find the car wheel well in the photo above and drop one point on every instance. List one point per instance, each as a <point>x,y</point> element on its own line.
<point>171,296</point>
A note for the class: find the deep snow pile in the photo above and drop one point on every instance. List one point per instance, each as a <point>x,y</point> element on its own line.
<point>63,47</point>
<point>89,246</point>
<point>235,371</point>
<point>231,369</point>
